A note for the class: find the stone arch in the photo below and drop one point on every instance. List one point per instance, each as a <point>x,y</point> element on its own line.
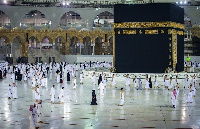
<point>104,19</point>
<point>74,47</point>
<point>35,18</point>
<point>7,40</point>
<point>60,44</point>
<point>50,39</point>
<point>18,47</point>
<point>61,38</point>
<point>110,45</point>
<point>87,40</point>
<point>19,38</point>
<point>5,46</point>
<point>71,19</point>
<point>99,45</point>
<point>33,41</point>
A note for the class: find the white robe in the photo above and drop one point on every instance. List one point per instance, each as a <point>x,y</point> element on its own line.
<point>58,78</point>
<point>32,126</point>
<point>113,82</point>
<point>43,82</point>
<point>39,109</point>
<point>170,85</point>
<point>33,82</point>
<point>101,85</point>
<point>81,78</point>
<point>156,83</point>
<point>61,96</point>
<point>15,92</point>
<point>147,84</point>
<point>187,83</point>
<point>25,77</point>
<point>53,91</point>
<point>37,95</point>
<point>9,92</point>
<point>190,97</point>
<point>104,82</point>
<point>166,83</point>
<point>127,81</point>
<point>74,82</point>
<point>173,99</point>
<point>135,82</point>
<point>94,79</point>
<point>121,98</point>
<point>13,77</point>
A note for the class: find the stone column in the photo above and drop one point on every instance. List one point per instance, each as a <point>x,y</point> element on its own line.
<point>106,44</point>
<point>63,48</point>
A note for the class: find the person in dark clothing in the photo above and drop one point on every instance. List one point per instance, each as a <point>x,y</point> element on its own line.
<point>68,76</point>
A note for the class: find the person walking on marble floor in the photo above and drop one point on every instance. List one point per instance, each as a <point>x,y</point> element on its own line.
<point>113,83</point>
<point>81,78</point>
<point>39,111</point>
<point>174,98</point>
<point>166,84</point>
<point>15,91</point>
<point>99,80</point>
<point>121,97</point>
<point>61,96</point>
<point>32,126</point>
<point>35,115</point>
<point>156,82</point>
<point>135,82</point>
<point>194,88</point>
<point>170,84</point>
<point>176,80</point>
<point>147,83</point>
<point>187,81</point>
<point>74,83</point>
<point>94,78</point>
<point>190,96</point>
<point>104,80</point>
<point>139,83</point>
<point>52,94</point>
<point>37,93</point>
<point>101,85</point>
<point>9,91</point>
<point>58,78</point>
<point>13,77</point>
<point>25,76</point>
<point>127,83</point>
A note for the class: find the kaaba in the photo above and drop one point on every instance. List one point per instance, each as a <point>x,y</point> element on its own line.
<point>148,38</point>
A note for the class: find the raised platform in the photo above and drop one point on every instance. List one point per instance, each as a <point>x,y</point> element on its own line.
<point>87,58</point>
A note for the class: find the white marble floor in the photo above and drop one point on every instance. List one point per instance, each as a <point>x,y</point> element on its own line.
<point>142,109</point>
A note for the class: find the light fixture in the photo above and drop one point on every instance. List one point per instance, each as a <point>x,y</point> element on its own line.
<point>63,3</point>
<point>181,2</point>
<point>185,2</point>
<point>176,2</point>
<point>67,3</point>
<point>5,1</point>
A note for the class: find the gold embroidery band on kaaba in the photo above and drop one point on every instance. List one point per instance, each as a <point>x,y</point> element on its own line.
<point>149,25</point>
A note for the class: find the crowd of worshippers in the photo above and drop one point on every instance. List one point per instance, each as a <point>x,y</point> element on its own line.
<point>192,64</point>
<point>38,72</point>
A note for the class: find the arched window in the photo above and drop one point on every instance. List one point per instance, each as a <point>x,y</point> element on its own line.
<point>71,19</point>
<point>104,19</point>
<point>35,18</point>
